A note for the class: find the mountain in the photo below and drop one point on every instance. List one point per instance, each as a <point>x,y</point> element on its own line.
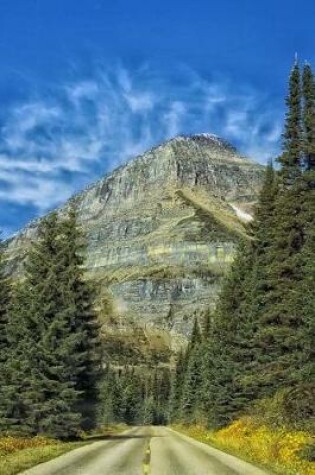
<point>161,230</point>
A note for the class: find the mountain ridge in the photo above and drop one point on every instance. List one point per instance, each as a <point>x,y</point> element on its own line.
<point>161,232</point>
<point>210,138</point>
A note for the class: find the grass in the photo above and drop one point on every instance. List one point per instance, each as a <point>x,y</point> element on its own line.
<point>214,209</point>
<point>277,449</point>
<point>15,462</point>
<point>21,453</point>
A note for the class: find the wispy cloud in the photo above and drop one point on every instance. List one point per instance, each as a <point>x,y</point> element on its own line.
<point>54,144</point>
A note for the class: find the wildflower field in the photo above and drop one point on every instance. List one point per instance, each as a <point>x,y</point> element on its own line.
<point>275,448</point>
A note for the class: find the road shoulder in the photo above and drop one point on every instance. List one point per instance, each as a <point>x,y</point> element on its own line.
<point>232,461</point>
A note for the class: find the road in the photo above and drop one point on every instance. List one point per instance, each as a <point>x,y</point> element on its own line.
<point>146,451</point>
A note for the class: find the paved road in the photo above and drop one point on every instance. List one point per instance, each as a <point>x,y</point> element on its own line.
<point>146,451</point>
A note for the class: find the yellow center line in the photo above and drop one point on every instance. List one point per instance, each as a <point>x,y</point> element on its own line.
<point>147,459</point>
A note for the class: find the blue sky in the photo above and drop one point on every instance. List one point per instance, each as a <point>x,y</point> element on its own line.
<point>87,84</point>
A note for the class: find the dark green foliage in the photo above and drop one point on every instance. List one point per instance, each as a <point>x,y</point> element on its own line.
<point>309,117</point>
<point>191,393</point>
<point>54,394</point>
<point>135,396</point>
<point>80,317</point>
<point>182,392</point>
<point>108,395</point>
<point>229,352</point>
<point>258,346</point>
<point>16,369</point>
<point>279,341</point>
<point>5,292</point>
<point>54,361</point>
<point>33,309</point>
<point>148,411</point>
<point>292,137</point>
<point>195,338</point>
<point>5,297</point>
<point>308,452</point>
<point>178,378</point>
<point>161,393</point>
<point>305,295</point>
<point>187,380</point>
<point>132,397</point>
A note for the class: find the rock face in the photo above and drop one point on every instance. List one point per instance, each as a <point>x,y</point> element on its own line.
<point>161,232</point>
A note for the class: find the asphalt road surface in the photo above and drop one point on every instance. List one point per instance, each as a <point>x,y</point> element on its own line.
<point>146,451</point>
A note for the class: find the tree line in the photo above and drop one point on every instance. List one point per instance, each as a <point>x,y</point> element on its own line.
<point>135,396</point>
<point>256,351</point>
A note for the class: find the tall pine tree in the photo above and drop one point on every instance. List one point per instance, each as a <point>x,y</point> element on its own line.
<point>78,297</point>
<point>53,329</point>
<point>281,323</point>
<point>291,157</point>
<point>309,117</point>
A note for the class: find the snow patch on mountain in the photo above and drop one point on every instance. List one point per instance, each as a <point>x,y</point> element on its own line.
<point>242,214</point>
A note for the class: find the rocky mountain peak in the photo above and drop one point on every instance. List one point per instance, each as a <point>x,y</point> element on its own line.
<point>207,139</point>
<point>161,233</point>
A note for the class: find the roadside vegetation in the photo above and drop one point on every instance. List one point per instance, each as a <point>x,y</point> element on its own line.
<point>21,453</point>
<point>246,382</point>
<point>280,450</point>
<point>18,453</point>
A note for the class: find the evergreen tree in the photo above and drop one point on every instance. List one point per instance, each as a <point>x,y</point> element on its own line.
<point>207,325</point>
<point>280,323</point>
<point>15,401</point>
<point>259,339</point>
<point>277,307</point>
<point>5,291</point>
<point>162,396</point>
<point>5,297</point>
<point>119,407</point>
<point>309,117</point>
<point>177,384</point>
<point>180,376</point>
<point>132,397</point>
<point>192,377</point>
<point>78,299</point>
<point>190,407</point>
<point>259,284</point>
<point>53,395</point>
<point>149,411</point>
<point>291,157</point>
<point>230,353</point>
<point>33,307</point>
<point>228,350</point>
<point>195,338</point>
<point>306,290</point>
<point>107,404</point>
<point>58,350</point>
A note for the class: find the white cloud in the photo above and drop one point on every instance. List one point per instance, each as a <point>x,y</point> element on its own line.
<point>83,90</point>
<point>173,118</point>
<point>60,141</point>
